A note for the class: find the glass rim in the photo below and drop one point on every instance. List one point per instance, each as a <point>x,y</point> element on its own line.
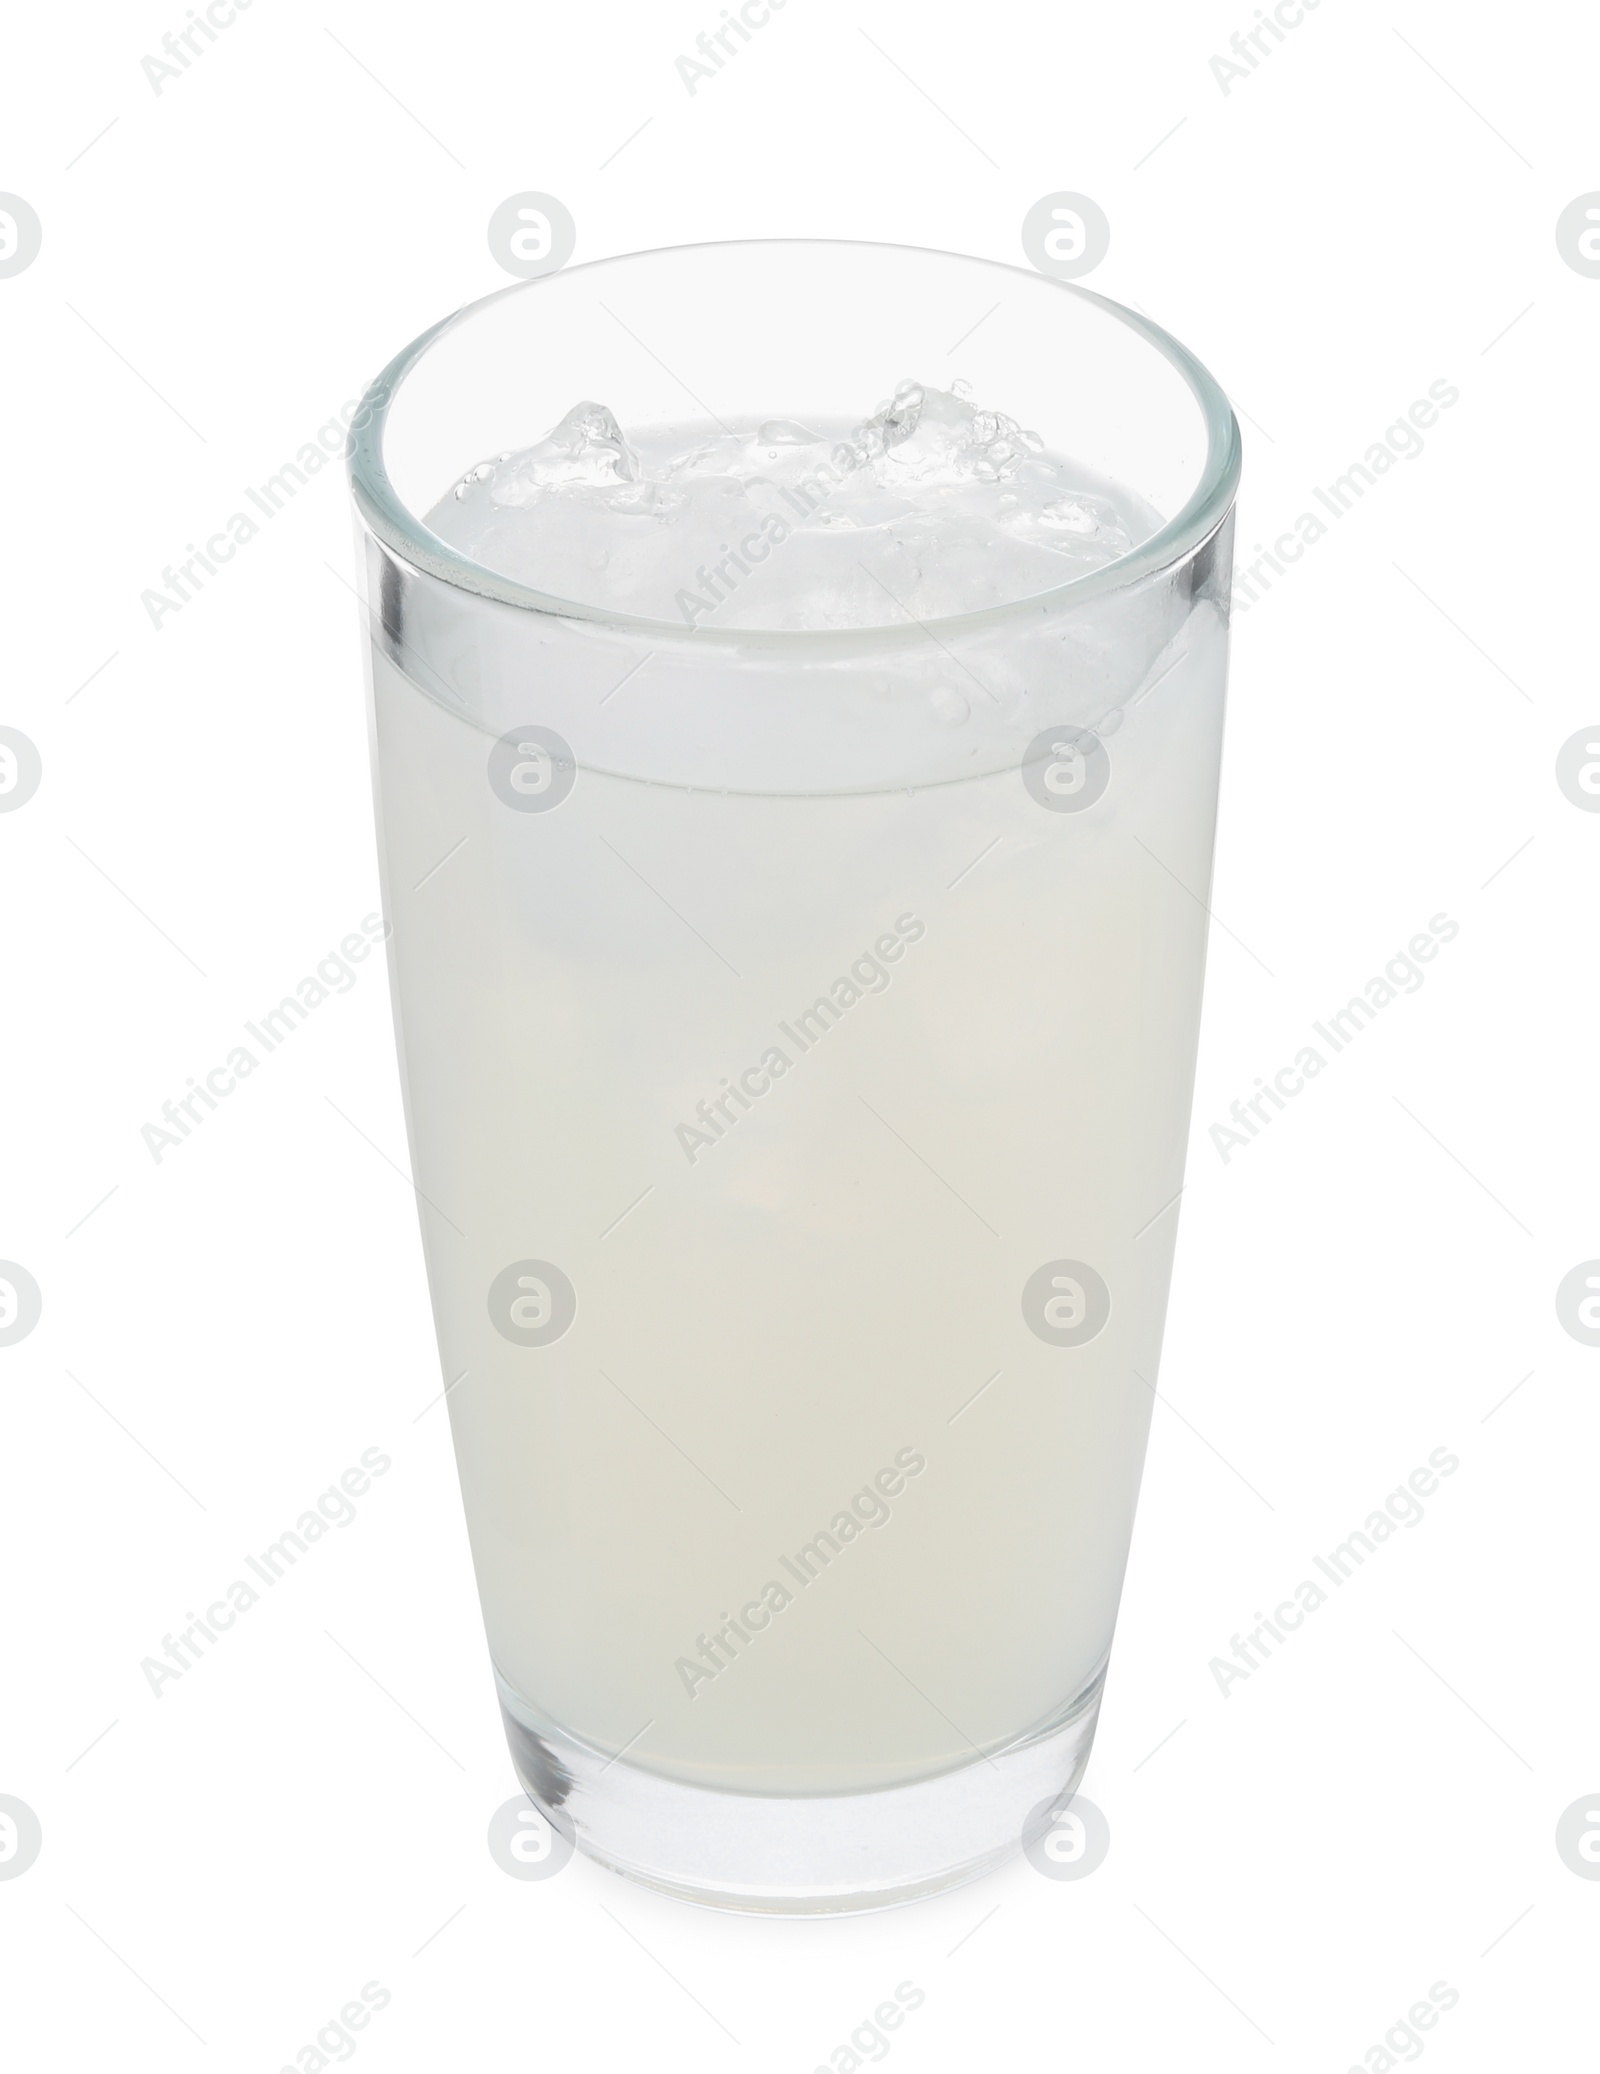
<point>402,529</point>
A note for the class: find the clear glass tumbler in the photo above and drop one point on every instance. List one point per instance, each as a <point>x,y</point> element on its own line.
<point>797,1032</point>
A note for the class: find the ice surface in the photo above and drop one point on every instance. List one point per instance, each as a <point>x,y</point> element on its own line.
<point>926,508</point>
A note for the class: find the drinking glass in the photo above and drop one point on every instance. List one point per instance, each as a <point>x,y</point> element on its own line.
<point>797,1032</point>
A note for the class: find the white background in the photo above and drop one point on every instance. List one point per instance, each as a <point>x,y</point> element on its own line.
<point>1292,1865</point>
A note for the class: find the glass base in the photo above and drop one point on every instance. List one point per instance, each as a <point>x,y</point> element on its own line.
<point>823,1854</point>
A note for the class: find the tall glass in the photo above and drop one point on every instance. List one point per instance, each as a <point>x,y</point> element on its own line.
<point>797,1032</point>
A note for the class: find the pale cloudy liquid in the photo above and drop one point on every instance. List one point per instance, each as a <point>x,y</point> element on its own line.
<point>799,1503</point>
